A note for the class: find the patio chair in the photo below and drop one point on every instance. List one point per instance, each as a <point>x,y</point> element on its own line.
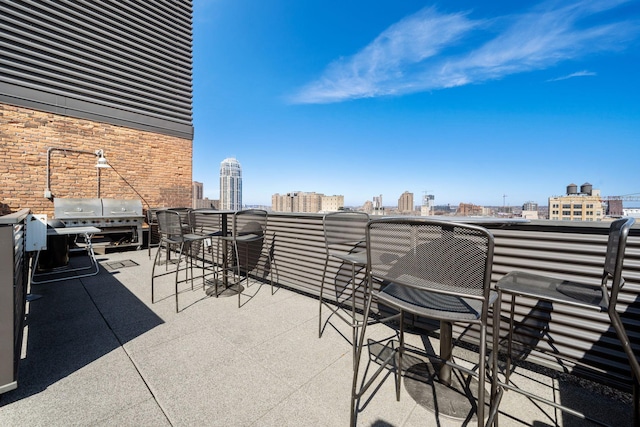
<point>175,236</point>
<point>602,298</point>
<point>344,238</point>
<point>203,223</point>
<point>248,235</point>
<point>153,236</point>
<point>434,270</point>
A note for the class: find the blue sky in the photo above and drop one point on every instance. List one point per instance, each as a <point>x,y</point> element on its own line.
<point>469,101</point>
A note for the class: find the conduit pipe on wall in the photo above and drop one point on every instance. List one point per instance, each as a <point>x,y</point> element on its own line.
<point>101,163</point>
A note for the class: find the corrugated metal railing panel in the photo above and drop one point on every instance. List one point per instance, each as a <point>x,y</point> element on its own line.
<point>21,267</point>
<point>13,293</point>
<point>126,62</point>
<point>298,251</point>
<point>578,341</point>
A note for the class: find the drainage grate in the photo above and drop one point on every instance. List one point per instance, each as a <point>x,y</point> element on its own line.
<point>117,265</point>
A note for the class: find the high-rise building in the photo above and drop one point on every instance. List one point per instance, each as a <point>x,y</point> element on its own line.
<point>378,209</point>
<point>428,200</point>
<point>230,185</point>
<point>197,193</point>
<point>405,202</point>
<point>300,201</point>
<point>332,203</point>
<point>585,205</point>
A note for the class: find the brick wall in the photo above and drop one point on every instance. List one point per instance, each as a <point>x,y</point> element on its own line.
<point>157,166</point>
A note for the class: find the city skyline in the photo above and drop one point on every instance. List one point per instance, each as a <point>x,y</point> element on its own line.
<point>469,102</point>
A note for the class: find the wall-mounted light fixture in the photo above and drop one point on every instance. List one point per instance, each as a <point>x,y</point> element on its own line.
<point>101,163</point>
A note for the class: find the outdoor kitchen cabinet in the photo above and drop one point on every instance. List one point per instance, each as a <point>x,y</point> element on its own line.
<point>13,292</point>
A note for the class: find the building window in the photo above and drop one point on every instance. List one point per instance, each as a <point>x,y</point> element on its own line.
<point>577,206</point>
<point>566,206</point>
<point>566,213</point>
<point>577,213</point>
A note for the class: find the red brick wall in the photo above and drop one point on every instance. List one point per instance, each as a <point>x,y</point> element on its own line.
<point>157,166</point>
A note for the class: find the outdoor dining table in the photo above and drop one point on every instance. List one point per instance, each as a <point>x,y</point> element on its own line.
<point>223,231</point>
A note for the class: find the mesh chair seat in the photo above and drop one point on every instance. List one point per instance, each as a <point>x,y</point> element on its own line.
<point>583,295</point>
<point>554,289</point>
<point>431,304</point>
<point>356,258</point>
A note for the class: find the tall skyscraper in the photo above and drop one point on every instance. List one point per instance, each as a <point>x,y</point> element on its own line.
<point>230,185</point>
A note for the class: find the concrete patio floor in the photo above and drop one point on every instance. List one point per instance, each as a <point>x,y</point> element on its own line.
<point>98,353</point>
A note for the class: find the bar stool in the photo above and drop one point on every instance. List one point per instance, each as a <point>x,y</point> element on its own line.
<point>344,238</point>
<point>174,235</point>
<point>602,298</point>
<point>248,235</point>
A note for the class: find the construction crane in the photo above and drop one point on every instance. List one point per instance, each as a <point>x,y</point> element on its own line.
<point>634,197</point>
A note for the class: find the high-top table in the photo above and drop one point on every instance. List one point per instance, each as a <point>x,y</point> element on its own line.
<point>66,273</point>
<point>216,232</point>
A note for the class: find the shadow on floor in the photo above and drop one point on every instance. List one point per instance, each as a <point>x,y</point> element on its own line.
<point>74,323</point>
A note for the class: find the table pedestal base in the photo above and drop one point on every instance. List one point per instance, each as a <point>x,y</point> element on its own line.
<point>218,288</point>
<point>456,401</point>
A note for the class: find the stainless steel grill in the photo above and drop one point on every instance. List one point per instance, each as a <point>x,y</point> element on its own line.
<point>120,220</point>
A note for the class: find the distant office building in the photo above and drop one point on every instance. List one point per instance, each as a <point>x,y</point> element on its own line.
<point>332,203</point>
<point>615,208</point>
<point>428,200</point>
<point>468,209</point>
<point>634,212</point>
<point>368,207</point>
<point>280,203</point>
<point>529,214</point>
<point>378,209</point>
<point>585,205</point>
<point>307,202</point>
<point>201,202</point>
<point>405,202</point>
<point>530,206</point>
<point>230,185</point>
<point>207,203</point>
<point>197,192</point>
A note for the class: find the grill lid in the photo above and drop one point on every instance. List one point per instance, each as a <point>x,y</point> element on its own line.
<point>96,208</point>
<point>76,208</point>
<point>121,207</point>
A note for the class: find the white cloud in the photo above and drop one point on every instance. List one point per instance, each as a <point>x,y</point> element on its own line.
<point>583,73</point>
<point>384,66</point>
<point>410,57</point>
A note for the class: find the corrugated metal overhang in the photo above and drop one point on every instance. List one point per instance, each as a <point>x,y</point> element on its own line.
<point>122,62</point>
